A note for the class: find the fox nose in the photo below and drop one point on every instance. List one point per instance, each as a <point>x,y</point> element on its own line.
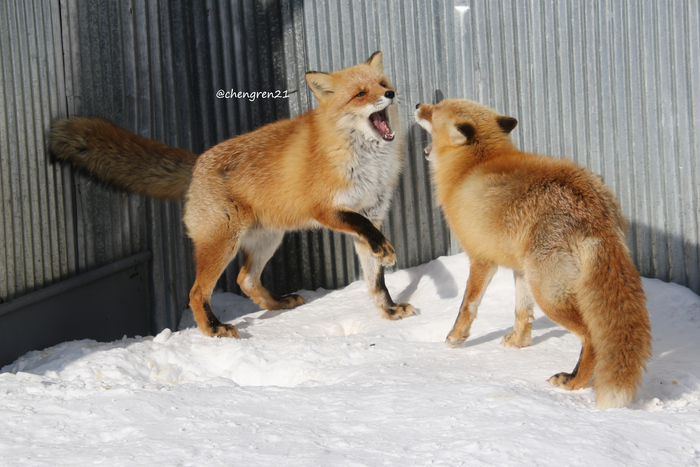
<point>389,94</point>
<point>417,105</point>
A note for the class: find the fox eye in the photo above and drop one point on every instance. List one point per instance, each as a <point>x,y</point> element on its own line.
<point>384,84</point>
<point>360,94</point>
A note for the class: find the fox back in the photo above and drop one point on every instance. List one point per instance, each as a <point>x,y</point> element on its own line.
<point>342,153</point>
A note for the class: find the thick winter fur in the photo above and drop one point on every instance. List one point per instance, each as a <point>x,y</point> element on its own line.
<point>334,166</point>
<point>122,159</point>
<point>561,231</point>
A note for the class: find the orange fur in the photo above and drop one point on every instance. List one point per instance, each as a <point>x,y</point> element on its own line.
<point>334,166</point>
<point>122,159</point>
<point>558,227</point>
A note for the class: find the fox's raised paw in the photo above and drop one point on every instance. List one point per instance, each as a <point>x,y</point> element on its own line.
<point>399,311</point>
<point>516,340</point>
<point>385,253</point>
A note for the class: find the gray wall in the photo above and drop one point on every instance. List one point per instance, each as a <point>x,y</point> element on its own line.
<point>613,85</point>
<point>36,226</point>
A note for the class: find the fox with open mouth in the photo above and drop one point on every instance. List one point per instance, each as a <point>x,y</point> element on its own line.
<point>335,166</point>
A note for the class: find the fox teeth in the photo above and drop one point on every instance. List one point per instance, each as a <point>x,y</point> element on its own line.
<point>380,122</point>
<point>429,153</point>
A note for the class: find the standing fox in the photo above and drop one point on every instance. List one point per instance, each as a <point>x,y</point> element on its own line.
<point>334,166</point>
<point>561,231</point>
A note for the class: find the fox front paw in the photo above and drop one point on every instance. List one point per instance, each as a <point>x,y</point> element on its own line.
<point>455,340</point>
<point>516,340</point>
<point>399,311</point>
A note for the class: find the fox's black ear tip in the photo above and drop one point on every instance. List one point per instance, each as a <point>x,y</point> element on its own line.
<point>467,130</point>
<point>376,59</point>
<point>507,124</point>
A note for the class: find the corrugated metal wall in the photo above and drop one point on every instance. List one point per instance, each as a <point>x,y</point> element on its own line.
<point>614,85</point>
<point>35,235</point>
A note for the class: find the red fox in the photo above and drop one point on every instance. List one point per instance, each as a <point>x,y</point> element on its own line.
<point>334,166</point>
<point>561,231</point>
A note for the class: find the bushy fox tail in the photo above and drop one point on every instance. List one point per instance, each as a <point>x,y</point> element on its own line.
<point>121,159</point>
<point>613,306</point>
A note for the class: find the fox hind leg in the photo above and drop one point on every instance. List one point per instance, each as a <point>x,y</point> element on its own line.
<point>212,256</point>
<point>374,276</point>
<point>583,372</point>
<point>524,316</point>
<point>563,310</point>
<point>258,246</point>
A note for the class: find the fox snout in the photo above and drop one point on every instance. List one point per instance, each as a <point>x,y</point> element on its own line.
<point>424,112</point>
<point>385,99</point>
<point>424,116</point>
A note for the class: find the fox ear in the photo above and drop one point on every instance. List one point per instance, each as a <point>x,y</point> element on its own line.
<point>461,133</point>
<point>320,83</point>
<point>376,61</point>
<point>507,123</point>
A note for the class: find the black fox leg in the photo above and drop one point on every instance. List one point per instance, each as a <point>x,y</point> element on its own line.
<point>355,223</point>
<point>374,276</point>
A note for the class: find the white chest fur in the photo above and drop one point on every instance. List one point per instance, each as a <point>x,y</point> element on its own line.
<point>371,174</point>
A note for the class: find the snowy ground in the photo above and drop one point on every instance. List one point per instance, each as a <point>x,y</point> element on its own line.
<point>330,383</point>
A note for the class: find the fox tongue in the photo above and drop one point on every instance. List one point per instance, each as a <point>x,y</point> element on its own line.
<point>380,124</point>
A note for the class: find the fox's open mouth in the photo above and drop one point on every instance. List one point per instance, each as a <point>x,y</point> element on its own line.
<point>429,152</point>
<point>381,123</point>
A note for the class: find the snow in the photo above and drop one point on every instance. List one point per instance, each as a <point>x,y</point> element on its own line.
<point>332,384</point>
